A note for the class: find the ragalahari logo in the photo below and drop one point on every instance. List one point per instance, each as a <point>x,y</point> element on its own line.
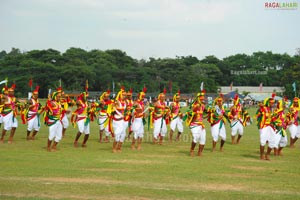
<point>281,5</point>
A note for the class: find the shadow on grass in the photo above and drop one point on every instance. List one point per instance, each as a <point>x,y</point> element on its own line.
<point>250,156</point>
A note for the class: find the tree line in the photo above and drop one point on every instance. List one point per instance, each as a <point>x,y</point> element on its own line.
<point>113,68</point>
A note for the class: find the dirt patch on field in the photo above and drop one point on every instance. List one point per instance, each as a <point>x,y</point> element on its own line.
<point>107,181</point>
<point>222,187</point>
<point>236,175</point>
<point>55,180</point>
<point>194,187</point>
<point>135,162</point>
<point>108,170</point>
<point>160,156</point>
<point>252,168</point>
<point>77,180</point>
<point>68,196</point>
<point>48,196</point>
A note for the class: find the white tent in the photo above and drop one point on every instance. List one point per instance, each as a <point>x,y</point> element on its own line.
<point>260,97</point>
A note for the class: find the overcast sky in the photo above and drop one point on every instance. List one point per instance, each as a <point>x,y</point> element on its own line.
<point>150,28</point>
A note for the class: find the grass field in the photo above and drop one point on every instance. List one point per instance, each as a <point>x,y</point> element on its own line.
<point>28,171</point>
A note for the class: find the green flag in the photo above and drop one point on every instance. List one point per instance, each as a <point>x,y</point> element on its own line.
<point>294,86</point>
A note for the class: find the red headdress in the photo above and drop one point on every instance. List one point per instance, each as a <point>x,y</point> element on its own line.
<point>296,99</point>
<point>104,95</point>
<point>142,94</point>
<point>220,98</point>
<point>59,89</point>
<point>36,90</point>
<point>162,93</point>
<point>129,93</point>
<point>12,88</point>
<point>202,93</point>
<point>176,95</point>
<point>272,99</point>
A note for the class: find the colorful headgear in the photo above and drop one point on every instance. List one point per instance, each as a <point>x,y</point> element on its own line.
<point>272,100</point>
<point>280,107</point>
<point>121,93</point>
<point>83,96</point>
<point>201,94</point>
<point>285,102</point>
<point>54,95</point>
<point>12,88</point>
<point>267,101</point>
<point>36,90</point>
<point>296,100</point>
<point>176,95</point>
<point>142,94</point>
<point>4,90</point>
<point>129,93</point>
<point>236,100</point>
<point>162,93</point>
<point>104,95</point>
<point>59,89</point>
<point>219,98</point>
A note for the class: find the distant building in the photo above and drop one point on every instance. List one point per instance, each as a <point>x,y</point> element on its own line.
<point>252,89</point>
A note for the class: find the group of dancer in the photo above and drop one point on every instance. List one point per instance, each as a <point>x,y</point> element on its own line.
<point>272,122</point>
<point>114,116</point>
<point>118,114</point>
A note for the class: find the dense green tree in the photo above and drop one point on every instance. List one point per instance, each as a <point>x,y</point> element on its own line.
<point>2,54</point>
<point>48,68</point>
<point>289,77</point>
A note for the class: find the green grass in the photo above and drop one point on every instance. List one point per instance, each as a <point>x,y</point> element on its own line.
<point>28,171</point>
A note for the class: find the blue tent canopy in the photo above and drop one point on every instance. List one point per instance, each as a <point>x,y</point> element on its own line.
<point>232,94</point>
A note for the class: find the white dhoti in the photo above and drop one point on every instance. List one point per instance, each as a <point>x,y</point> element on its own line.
<point>268,134</point>
<point>236,127</point>
<point>217,130</point>
<point>83,127</point>
<point>177,122</point>
<point>33,121</point>
<point>160,127</point>
<point>199,134</point>
<point>55,131</point>
<point>65,121</point>
<point>138,128</point>
<point>9,121</point>
<point>294,130</point>
<point>119,128</point>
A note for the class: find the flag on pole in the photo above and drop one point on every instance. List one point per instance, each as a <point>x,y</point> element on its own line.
<point>294,87</point>
<point>202,86</point>
<point>260,87</point>
<point>170,86</point>
<point>231,84</point>
<point>49,93</point>
<point>30,83</point>
<point>113,86</point>
<point>4,81</point>
<point>86,85</point>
